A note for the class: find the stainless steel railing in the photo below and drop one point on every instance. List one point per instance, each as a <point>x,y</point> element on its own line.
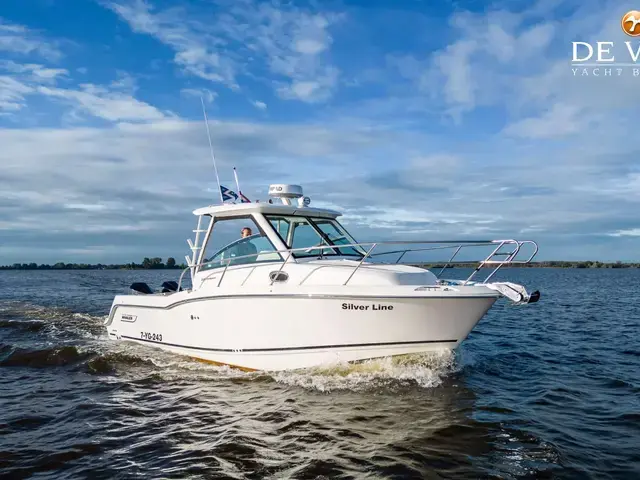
<point>458,245</point>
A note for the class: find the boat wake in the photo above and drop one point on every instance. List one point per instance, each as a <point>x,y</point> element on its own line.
<point>53,337</point>
<point>424,370</point>
<point>52,321</point>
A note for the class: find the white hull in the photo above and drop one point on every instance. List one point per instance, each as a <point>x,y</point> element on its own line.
<point>282,331</point>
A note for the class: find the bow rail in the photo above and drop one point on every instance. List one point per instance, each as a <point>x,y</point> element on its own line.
<point>497,258</point>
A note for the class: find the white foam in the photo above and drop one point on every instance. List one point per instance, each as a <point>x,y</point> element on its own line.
<point>424,370</point>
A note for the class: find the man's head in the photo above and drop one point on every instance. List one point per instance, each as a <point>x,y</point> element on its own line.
<point>246,232</point>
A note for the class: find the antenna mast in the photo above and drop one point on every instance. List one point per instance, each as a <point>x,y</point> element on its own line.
<point>213,157</point>
<point>235,174</point>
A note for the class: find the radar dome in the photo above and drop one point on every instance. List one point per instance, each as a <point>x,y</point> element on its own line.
<point>282,190</point>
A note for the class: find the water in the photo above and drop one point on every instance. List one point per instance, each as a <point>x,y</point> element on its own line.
<point>550,390</point>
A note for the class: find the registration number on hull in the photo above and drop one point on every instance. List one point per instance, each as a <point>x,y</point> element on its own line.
<point>155,337</point>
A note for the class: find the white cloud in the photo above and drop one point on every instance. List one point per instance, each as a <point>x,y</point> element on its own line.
<point>204,93</point>
<point>36,71</point>
<point>194,45</point>
<point>89,207</point>
<point>290,42</point>
<point>101,103</point>
<point>459,85</point>
<point>259,105</point>
<point>18,39</point>
<point>311,78</point>
<point>12,94</point>
<point>22,82</point>
<point>308,46</point>
<point>633,232</point>
<point>318,89</point>
<point>560,121</point>
<point>125,82</point>
<point>114,102</point>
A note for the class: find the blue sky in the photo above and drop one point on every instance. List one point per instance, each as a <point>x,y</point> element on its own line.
<point>416,119</point>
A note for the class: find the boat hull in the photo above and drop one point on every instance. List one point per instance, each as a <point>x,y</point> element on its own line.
<point>283,332</point>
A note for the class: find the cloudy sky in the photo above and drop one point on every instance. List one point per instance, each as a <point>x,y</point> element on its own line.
<point>418,119</point>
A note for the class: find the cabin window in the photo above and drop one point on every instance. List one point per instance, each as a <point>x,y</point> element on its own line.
<point>237,241</point>
<point>338,236</point>
<point>310,234</point>
<point>281,226</point>
<point>304,235</point>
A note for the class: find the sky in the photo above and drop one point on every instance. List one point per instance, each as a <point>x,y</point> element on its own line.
<point>417,119</point>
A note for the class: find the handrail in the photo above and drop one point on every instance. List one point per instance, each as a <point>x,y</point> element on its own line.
<point>361,262</point>
<point>457,244</point>
<point>449,262</point>
<point>491,255</point>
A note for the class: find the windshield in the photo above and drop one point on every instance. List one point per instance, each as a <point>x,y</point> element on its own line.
<point>316,236</point>
<point>225,248</point>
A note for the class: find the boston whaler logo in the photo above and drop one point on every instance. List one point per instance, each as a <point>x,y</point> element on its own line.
<point>126,317</point>
<point>607,59</point>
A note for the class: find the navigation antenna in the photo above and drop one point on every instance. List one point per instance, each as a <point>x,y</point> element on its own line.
<point>213,157</point>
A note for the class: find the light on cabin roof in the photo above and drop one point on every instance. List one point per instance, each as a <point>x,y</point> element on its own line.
<point>304,201</point>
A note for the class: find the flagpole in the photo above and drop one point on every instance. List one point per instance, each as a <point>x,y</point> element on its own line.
<point>235,174</point>
<point>213,157</point>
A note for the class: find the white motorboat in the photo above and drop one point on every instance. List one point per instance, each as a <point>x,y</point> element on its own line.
<point>298,291</point>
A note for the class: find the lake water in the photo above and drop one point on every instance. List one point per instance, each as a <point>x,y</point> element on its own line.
<point>549,390</point>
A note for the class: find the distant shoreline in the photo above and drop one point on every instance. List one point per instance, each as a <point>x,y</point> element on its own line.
<point>157,264</point>
<point>154,263</point>
<point>549,264</point>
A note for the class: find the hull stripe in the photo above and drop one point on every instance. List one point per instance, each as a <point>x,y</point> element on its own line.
<point>297,296</point>
<point>307,296</point>
<point>287,349</point>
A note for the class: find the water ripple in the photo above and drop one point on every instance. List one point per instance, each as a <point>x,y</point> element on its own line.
<point>550,390</point>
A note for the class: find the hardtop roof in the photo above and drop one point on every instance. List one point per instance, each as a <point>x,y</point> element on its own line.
<point>241,209</point>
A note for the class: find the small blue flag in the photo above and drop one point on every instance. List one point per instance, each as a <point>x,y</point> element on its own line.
<point>228,194</point>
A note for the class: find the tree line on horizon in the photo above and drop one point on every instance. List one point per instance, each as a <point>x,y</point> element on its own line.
<point>545,264</point>
<point>156,263</point>
<point>147,264</point>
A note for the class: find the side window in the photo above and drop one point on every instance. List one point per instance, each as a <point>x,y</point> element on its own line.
<point>237,242</point>
<point>281,225</point>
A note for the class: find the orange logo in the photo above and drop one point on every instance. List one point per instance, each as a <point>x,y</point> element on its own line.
<point>631,23</point>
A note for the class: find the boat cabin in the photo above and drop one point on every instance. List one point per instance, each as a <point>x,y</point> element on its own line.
<point>261,232</point>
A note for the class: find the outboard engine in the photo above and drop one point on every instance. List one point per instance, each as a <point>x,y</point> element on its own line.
<point>170,286</point>
<point>141,287</point>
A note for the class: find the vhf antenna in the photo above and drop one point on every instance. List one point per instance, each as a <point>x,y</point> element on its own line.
<point>213,157</point>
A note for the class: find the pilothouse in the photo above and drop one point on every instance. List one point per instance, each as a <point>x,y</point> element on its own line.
<point>309,293</point>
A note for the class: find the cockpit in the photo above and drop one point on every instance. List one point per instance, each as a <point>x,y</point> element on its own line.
<point>306,236</point>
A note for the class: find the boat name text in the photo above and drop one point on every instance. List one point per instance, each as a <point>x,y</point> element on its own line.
<point>374,306</point>
<point>155,337</point>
